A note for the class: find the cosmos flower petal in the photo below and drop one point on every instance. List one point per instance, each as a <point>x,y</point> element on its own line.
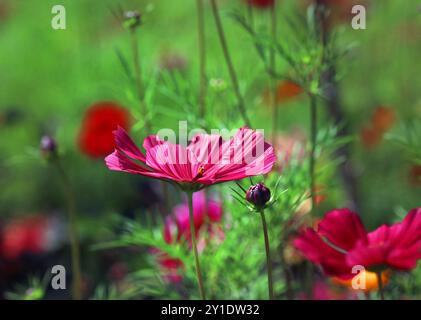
<point>245,155</point>
<point>151,141</point>
<point>342,228</point>
<point>243,158</point>
<point>172,160</point>
<point>409,230</point>
<point>206,148</point>
<point>125,144</point>
<point>367,256</point>
<point>313,246</point>
<point>117,161</point>
<point>406,258</point>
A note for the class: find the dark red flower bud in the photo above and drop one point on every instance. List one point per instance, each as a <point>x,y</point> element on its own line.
<point>48,145</point>
<point>258,195</point>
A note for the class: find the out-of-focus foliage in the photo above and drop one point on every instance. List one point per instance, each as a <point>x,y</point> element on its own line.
<point>50,77</point>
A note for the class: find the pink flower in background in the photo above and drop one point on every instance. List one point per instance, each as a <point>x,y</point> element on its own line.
<point>205,161</point>
<point>341,242</point>
<point>207,216</point>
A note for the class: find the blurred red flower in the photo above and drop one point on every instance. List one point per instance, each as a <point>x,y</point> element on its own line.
<point>287,90</point>
<point>25,235</point>
<point>341,242</point>
<point>96,138</point>
<point>261,3</point>
<point>207,216</point>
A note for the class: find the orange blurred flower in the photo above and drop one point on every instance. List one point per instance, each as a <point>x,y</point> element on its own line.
<point>285,91</point>
<point>371,280</point>
<point>383,118</point>
<point>381,121</point>
<point>370,137</point>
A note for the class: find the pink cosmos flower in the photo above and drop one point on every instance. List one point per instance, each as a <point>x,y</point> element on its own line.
<point>207,216</point>
<point>205,161</point>
<point>341,242</point>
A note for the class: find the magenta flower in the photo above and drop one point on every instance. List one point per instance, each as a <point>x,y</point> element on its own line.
<point>207,216</point>
<point>205,161</point>
<point>341,242</point>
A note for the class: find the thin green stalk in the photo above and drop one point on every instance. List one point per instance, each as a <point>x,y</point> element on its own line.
<point>138,77</point>
<point>194,243</point>
<point>228,60</point>
<point>312,160</point>
<point>272,66</point>
<point>313,137</point>
<point>250,15</point>
<point>73,232</point>
<point>380,281</point>
<point>268,258</point>
<point>202,57</point>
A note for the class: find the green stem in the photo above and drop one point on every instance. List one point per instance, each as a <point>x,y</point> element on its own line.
<point>194,243</point>
<point>268,258</point>
<point>228,60</point>
<point>313,137</point>
<point>202,57</point>
<point>272,66</point>
<point>250,15</point>
<point>380,281</point>
<point>73,233</point>
<point>138,77</point>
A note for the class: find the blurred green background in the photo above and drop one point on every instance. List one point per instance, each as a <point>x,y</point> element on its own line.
<point>48,78</point>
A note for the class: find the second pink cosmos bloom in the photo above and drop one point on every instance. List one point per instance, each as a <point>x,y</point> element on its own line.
<point>205,161</point>
<point>342,242</point>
